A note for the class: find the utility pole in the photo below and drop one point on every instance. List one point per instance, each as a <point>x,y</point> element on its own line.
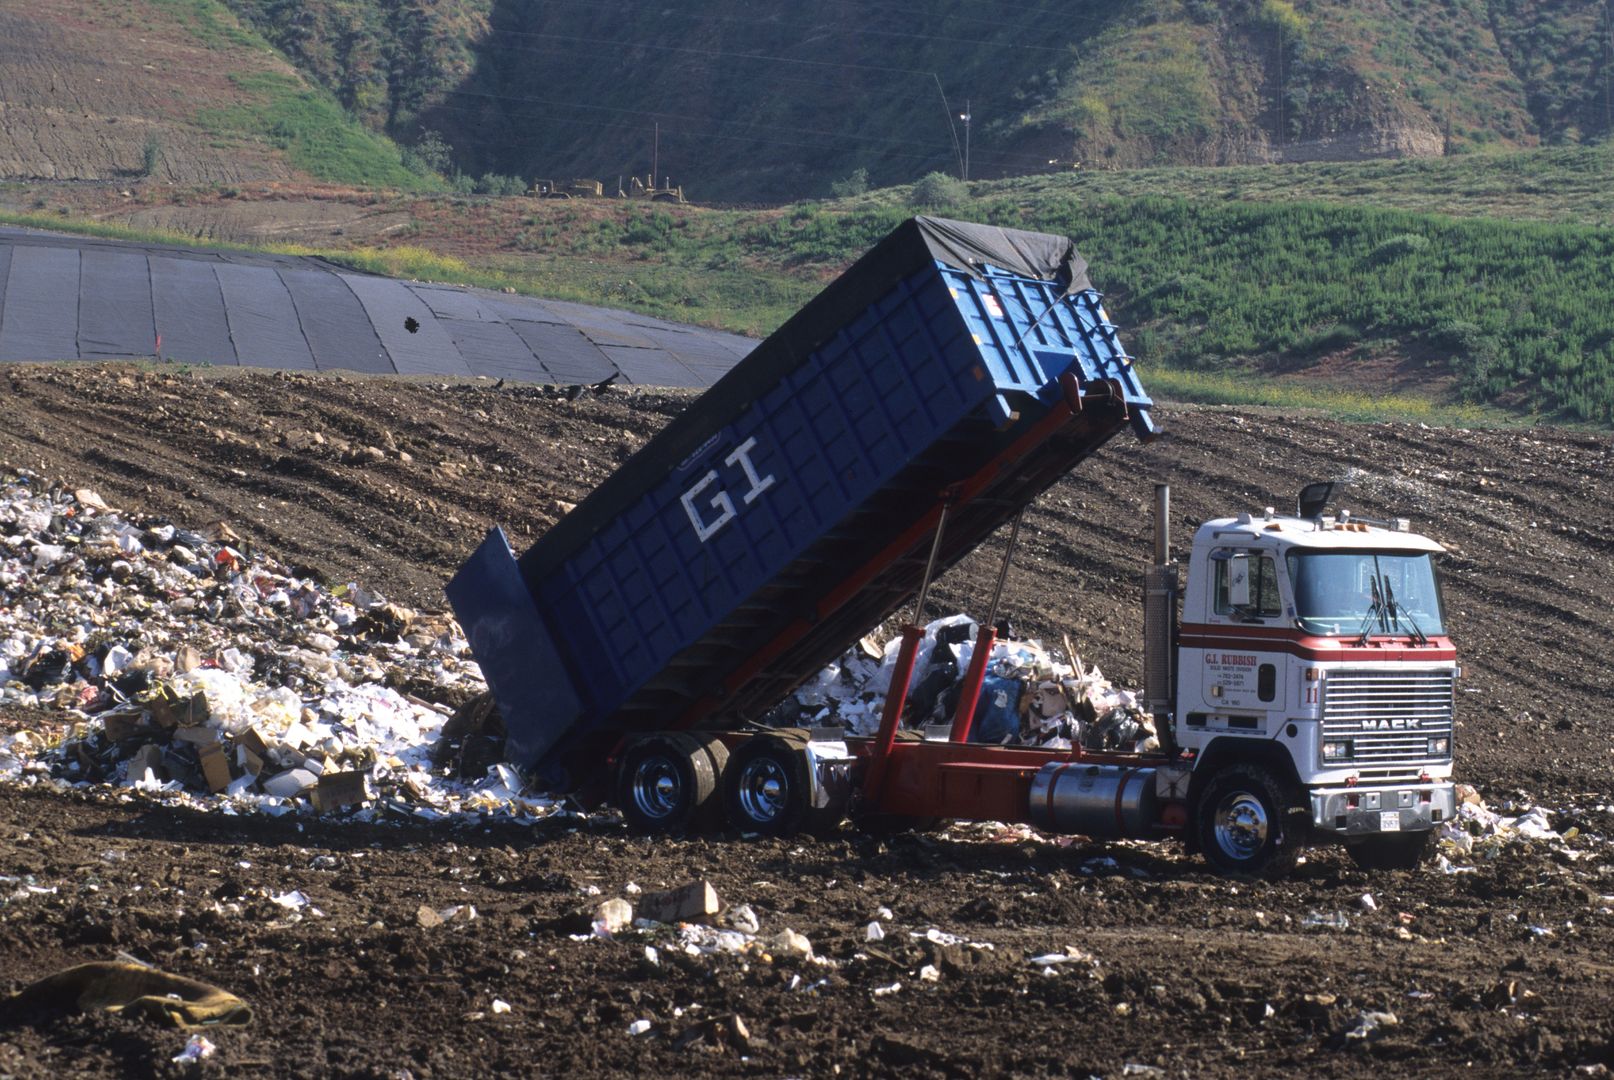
<point>655,154</point>
<point>1280,86</point>
<point>965,116</point>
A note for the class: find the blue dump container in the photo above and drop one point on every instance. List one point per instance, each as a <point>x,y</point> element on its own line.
<point>774,521</point>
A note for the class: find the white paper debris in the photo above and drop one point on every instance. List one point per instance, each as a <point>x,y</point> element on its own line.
<point>744,919</point>
<point>103,612</point>
<point>1071,955</point>
<point>1370,1023</point>
<point>1031,698</point>
<point>197,1048</point>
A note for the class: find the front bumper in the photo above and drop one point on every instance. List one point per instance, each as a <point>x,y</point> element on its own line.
<point>1361,811</point>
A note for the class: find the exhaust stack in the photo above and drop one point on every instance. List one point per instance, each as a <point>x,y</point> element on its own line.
<point>1160,623</point>
<point>1162,524</point>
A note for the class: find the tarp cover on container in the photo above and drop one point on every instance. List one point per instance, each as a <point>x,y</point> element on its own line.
<point>73,298</point>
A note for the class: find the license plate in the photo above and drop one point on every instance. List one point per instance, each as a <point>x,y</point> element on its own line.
<point>1390,821</point>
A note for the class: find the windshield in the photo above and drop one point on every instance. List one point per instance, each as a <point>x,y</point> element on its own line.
<point>1334,591</point>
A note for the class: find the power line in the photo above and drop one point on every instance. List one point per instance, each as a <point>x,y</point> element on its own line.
<point>662,116</point>
<point>996,157</point>
<point>1038,21</point>
<point>710,135</point>
<point>686,50</point>
<point>815,80</point>
<point>865,30</point>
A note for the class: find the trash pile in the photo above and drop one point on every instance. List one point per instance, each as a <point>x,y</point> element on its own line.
<point>184,663</point>
<point>1479,832</point>
<point>699,924</point>
<point>1027,698</point>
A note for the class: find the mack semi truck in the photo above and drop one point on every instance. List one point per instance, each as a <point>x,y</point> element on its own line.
<point>1298,666</point>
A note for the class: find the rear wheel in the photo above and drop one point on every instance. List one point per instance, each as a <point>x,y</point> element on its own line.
<point>668,783</point>
<point>1390,851</point>
<point>1244,823</point>
<point>767,786</point>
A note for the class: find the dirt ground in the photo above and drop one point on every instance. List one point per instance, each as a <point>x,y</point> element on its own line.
<point>1501,971</point>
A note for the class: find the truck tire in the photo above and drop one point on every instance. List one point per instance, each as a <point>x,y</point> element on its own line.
<point>766,786</point>
<point>709,818</point>
<point>1244,823</point>
<point>668,784</point>
<point>1391,851</point>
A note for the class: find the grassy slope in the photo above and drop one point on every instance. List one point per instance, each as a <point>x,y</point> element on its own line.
<point>1317,279</point>
<point>296,117</point>
<point>1212,291</point>
<point>1569,184</point>
<point>316,136</point>
<point>383,62</point>
<point>233,96</point>
<point>1509,312</point>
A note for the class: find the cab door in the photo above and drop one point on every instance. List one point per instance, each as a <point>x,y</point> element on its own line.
<point>1245,672</point>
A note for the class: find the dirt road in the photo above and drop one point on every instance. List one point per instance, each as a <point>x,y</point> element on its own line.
<point>1500,971</point>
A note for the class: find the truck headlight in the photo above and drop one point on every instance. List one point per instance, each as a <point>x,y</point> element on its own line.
<point>1337,751</point>
<point>1440,747</point>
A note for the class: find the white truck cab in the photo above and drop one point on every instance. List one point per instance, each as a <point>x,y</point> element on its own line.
<point>1314,674</point>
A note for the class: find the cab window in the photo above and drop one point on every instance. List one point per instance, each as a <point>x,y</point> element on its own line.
<point>1262,570</point>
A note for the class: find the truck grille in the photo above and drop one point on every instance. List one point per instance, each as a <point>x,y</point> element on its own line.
<point>1388,717</point>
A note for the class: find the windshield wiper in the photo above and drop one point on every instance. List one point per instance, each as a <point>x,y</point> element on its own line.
<point>1397,613</point>
<point>1375,610</point>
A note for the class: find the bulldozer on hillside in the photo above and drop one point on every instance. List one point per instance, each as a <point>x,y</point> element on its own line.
<point>577,189</point>
<point>588,188</point>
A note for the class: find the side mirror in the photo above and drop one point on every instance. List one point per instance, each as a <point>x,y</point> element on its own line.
<point>1238,580</point>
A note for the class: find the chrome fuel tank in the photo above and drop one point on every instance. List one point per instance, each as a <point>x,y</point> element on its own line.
<point>1102,801</point>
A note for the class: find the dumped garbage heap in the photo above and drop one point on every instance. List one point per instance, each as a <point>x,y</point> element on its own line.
<point>1028,698</point>
<point>189,668</point>
<point>186,663</point>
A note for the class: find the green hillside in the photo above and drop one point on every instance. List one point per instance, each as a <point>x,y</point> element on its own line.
<point>1559,184</point>
<point>1479,311</point>
<point>1478,280</point>
<point>384,62</point>
<point>769,101</point>
<point>1323,297</point>
<point>1461,309</point>
<point>172,92</point>
<point>318,135</point>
